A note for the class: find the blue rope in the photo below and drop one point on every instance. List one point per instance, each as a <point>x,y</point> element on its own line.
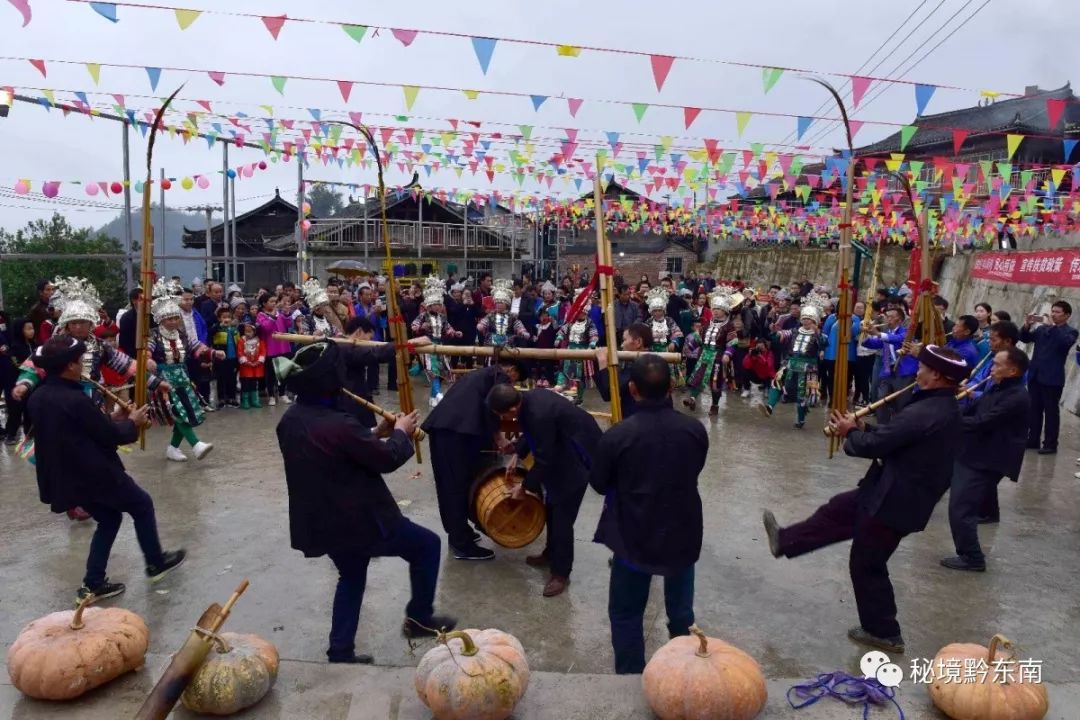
<point>848,688</point>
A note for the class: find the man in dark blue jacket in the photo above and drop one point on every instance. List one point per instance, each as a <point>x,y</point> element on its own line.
<point>647,468</point>
<point>992,447</point>
<point>911,469</point>
<point>637,337</point>
<point>1046,375</point>
<point>962,340</point>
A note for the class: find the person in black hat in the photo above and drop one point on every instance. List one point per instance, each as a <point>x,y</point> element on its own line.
<point>912,468</point>
<point>77,464</point>
<point>339,504</point>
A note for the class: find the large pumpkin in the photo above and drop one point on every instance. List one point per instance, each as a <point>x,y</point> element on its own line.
<point>235,676</point>
<point>695,677</point>
<point>65,654</point>
<point>473,675</point>
<point>987,688</point>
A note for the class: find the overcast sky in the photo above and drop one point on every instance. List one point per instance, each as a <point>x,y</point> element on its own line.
<point>1007,45</point>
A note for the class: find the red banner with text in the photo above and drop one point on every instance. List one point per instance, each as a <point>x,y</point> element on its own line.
<point>1044,267</point>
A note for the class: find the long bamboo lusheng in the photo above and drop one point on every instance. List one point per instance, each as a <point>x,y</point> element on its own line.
<point>878,404</point>
<point>486,351</point>
<point>109,394</point>
<point>418,434</point>
<point>607,295</point>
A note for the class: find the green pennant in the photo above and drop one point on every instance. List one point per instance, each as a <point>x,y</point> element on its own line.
<point>1025,177</point>
<point>356,32</point>
<point>988,172</point>
<point>906,133</point>
<point>796,166</point>
<point>526,131</point>
<point>916,167</point>
<point>639,110</point>
<point>757,148</point>
<point>769,77</point>
<point>279,83</point>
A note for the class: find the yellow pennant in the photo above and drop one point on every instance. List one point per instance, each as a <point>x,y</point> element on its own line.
<point>184,18</point>
<point>567,50</point>
<point>471,94</point>
<point>95,71</point>
<point>411,91</point>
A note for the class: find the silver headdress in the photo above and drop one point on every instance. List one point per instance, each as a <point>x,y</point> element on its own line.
<point>77,300</point>
<point>165,302</point>
<point>720,298</point>
<point>314,293</point>
<point>813,306</point>
<point>434,290</point>
<point>657,298</point>
<point>502,291</point>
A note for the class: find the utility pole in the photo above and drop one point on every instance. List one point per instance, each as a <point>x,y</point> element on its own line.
<point>226,268</point>
<point>209,254</point>
<point>129,278</point>
<point>301,241</point>
<point>235,242</point>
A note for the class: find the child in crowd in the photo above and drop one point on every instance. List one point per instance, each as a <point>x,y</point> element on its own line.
<point>107,334</point>
<point>759,366</point>
<point>251,360</point>
<point>544,370</point>
<point>225,337</point>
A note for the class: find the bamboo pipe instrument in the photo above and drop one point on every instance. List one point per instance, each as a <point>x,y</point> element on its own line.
<point>109,394</point>
<point>487,351</point>
<point>877,404</point>
<point>381,412</point>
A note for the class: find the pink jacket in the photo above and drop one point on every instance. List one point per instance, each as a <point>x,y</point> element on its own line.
<point>267,327</point>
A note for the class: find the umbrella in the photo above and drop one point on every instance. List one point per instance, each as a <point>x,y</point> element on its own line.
<point>348,268</point>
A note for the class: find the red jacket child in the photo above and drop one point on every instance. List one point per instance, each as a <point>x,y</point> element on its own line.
<point>251,358</point>
<point>759,364</point>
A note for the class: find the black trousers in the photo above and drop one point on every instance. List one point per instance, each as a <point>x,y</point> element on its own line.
<point>225,374</point>
<point>455,458</point>
<point>966,498</point>
<point>825,370</point>
<point>561,516</point>
<point>628,595</point>
<point>108,509</point>
<point>890,385</point>
<point>863,370</point>
<point>873,543</point>
<point>1044,402</point>
<point>14,410</point>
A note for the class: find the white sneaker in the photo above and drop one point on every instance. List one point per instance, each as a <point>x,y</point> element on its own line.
<point>272,401</point>
<point>175,454</point>
<point>202,449</point>
<point>1078,461</point>
<point>432,402</point>
<point>745,393</point>
<point>286,399</point>
<point>210,408</point>
<point>438,399</point>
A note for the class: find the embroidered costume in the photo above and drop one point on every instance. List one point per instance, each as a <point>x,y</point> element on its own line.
<point>579,334</point>
<point>709,370</point>
<point>322,321</point>
<point>501,327</point>
<point>433,323</point>
<point>666,334</point>
<point>799,376</point>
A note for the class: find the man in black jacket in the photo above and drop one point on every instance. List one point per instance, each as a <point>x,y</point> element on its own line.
<point>647,468</point>
<point>459,430</point>
<point>636,338</point>
<point>562,438</point>
<point>913,462</point>
<point>358,360</point>
<point>339,504</point>
<point>129,322</point>
<point>992,447</point>
<point>69,427</point>
<point>1046,376</point>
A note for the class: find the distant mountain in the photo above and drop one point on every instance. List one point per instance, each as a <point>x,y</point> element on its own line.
<point>175,220</point>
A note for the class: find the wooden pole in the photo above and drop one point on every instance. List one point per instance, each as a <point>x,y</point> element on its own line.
<point>607,295</point>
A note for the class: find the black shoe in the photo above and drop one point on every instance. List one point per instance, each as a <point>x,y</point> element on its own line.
<point>1048,451</point>
<point>799,425</point>
<point>472,552</point>
<point>893,644</point>
<point>989,520</point>
<point>101,592</point>
<point>170,561</point>
<point>353,659</point>
<point>233,403</point>
<point>772,529</point>
<point>437,623</point>
<point>964,563</point>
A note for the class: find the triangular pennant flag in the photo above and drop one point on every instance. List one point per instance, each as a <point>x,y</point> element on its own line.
<point>205,104</point>
<point>639,110</point>
<point>105,10</point>
<point>184,18</point>
<point>906,133</point>
<point>217,77</point>
<point>690,115</point>
<point>23,6</point>
<point>804,124</point>
<point>742,118</point>
<point>345,86</point>
<point>471,94</point>
<point>1054,110</point>
<point>356,32</point>
<point>859,86</point>
<point>923,93</point>
<point>769,77</point>
<point>279,83</point>
<point>274,24</point>
<point>538,100</point>
<point>154,74</point>
<point>856,126</point>
<point>567,50</point>
<point>1013,142</point>
<point>661,66</point>
<point>405,36</point>
<point>411,91</point>
<point>95,71</point>
<point>575,105</point>
<point>40,65</point>
<point>483,47</point>
<point>958,138</point>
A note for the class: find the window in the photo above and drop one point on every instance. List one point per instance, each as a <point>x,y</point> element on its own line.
<point>475,267</point>
<point>220,272</point>
<point>673,265</point>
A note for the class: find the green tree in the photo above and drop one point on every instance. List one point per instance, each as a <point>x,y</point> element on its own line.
<point>58,238</point>
<point>324,201</point>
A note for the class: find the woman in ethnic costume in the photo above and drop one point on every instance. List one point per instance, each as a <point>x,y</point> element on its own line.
<point>799,376</point>
<point>666,333</point>
<point>710,369</point>
<point>169,346</point>
<point>433,323</point>
<point>501,327</point>
<point>324,320</point>
<point>580,333</point>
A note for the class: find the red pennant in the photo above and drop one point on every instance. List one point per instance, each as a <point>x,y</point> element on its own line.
<point>1054,110</point>
<point>713,150</point>
<point>405,36</point>
<point>218,77</point>
<point>958,138</point>
<point>205,104</point>
<point>40,65</point>
<point>575,105</point>
<point>690,115</point>
<point>661,66</point>
<point>859,86</point>
<point>274,24</point>
<point>346,88</point>
<point>355,117</point>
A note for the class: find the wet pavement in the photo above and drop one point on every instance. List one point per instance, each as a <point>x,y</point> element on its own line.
<point>230,512</point>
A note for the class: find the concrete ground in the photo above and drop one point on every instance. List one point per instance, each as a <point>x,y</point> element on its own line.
<point>230,512</point>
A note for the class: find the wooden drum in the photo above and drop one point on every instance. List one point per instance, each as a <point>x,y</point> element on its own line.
<point>510,523</point>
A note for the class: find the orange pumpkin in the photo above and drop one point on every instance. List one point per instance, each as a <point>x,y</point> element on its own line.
<point>985,690</point>
<point>473,675</point>
<point>65,654</point>
<point>236,676</point>
<point>696,676</point>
